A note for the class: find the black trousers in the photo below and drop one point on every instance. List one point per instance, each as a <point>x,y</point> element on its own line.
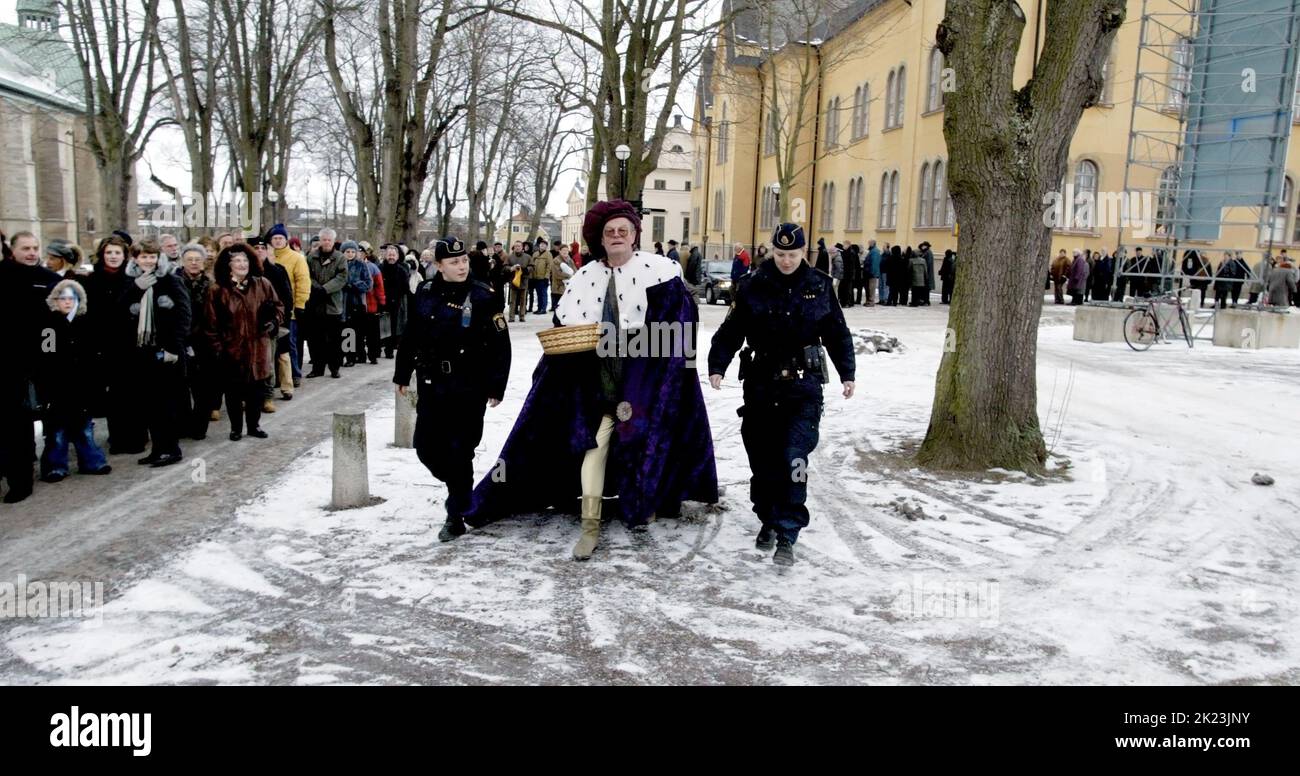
<point>445,444</point>
<point>326,342</point>
<point>17,442</point>
<point>370,326</point>
<point>244,404</point>
<point>128,431</point>
<point>780,436</point>
<point>920,296</point>
<point>945,292</point>
<point>203,395</point>
<point>155,405</point>
<point>149,406</point>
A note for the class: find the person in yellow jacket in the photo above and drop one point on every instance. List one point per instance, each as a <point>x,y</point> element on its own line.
<point>295,264</point>
<point>543,261</point>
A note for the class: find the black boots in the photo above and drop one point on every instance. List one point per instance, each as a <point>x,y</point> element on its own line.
<point>454,527</point>
<point>766,539</point>
<point>784,555</point>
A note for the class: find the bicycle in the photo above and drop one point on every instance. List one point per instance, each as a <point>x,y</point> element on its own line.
<point>1142,326</point>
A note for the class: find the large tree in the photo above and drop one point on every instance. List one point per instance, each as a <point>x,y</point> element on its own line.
<point>266,66</point>
<point>1007,148</point>
<point>117,58</point>
<point>643,51</point>
<point>189,46</point>
<point>419,99</point>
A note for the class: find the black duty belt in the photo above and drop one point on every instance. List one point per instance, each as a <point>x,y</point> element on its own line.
<point>755,365</point>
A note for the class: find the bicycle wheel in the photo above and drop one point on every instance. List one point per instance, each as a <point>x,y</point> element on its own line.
<point>1140,329</point>
<point>1187,327</point>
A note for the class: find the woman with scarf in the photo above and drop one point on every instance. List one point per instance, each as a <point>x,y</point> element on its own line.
<point>154,316</point>
<point>245,312</point>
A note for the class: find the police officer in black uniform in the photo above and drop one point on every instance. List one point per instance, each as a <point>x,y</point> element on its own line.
<point>458,345</point>
<point>787,311</point>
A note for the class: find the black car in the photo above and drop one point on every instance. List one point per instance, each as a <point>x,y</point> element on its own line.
<point>717,282</point>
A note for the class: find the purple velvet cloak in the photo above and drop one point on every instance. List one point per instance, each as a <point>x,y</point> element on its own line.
<point>661,454</point>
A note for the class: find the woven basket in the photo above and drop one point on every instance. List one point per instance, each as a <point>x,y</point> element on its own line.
<point>570,339</point>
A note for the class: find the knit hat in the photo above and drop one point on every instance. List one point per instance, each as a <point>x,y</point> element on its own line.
<point>593,225</point>
<point>277,229</point>
<point>350,245</point>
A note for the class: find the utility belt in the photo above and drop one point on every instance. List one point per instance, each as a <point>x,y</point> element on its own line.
<point>433,366</point>
<point>808,362</point>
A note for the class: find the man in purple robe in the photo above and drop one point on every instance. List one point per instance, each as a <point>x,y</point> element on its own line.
<point>625,422</point>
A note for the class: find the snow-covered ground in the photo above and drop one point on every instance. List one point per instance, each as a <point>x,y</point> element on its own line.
<point>1147,557</point>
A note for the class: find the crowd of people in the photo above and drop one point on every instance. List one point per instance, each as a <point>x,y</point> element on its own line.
<point>154,337</point>
<point>1099,276</point>
<point>890,275</point>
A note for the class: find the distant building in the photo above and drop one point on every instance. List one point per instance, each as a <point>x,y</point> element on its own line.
<point>517,228</point>
<point>666,197</point>
<point>48,179</point>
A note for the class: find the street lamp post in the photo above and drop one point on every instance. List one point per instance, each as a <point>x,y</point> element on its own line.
<point>273,197</point>
<point>622,153</point>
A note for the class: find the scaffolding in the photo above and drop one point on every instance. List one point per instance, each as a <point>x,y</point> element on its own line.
<point>1213,99</point>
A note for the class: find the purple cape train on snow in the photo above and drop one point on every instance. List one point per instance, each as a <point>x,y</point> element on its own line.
<point>662,452</point>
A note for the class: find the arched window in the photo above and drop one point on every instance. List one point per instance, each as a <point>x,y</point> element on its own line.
<point>855,131</point>
<point>893,200</point>
<point>773,130</point>
<point>862,203</point>
<point>1295,235</point>
<point>833,123</point>
<point>1166,191</point>
<point>938,198</point>
<point>856,199</point>
<point>722,136</point>
<point>1085,191</point>
<point>883,217</point>
<point>828,207</point>
<point>934,96</point>
<point>900,99</point>
<point>891,97</point>
<point>924,192</point>
<point>866,110</point>
<point>1180,76</point>
<point>1281,211</point>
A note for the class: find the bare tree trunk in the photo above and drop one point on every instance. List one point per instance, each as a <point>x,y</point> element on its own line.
<point>116,56</point>
<point>1007,148</point>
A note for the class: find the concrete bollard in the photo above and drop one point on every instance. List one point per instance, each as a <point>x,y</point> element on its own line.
<point>404,418</point>
<point>351,475</point>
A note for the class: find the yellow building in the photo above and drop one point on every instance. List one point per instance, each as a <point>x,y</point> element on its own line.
<point>856,122</point>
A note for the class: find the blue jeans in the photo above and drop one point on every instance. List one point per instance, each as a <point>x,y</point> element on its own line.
<point>90,458</point>
<point>540,287</point>
<point>294,353</point>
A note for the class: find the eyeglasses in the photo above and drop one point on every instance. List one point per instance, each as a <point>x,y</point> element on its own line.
<point>618,231</point>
